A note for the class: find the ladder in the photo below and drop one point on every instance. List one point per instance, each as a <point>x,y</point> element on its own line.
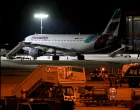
<point>15,50</point>
<point>114,53</point>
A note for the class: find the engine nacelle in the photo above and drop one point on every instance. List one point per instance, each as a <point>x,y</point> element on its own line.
<point>35,52</point>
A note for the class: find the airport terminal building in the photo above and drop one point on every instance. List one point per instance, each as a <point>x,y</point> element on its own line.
<point>132,32</point>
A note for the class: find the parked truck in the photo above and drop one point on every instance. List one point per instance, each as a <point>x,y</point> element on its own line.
<point>44,87</point>
<point>95,96</point>
<point>131,74</point>
<point>108,97</point>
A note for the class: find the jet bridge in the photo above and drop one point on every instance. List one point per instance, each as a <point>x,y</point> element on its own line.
<point>15,50</point>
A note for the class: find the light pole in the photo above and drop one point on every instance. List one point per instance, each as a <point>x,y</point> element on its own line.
<point>41,16</point>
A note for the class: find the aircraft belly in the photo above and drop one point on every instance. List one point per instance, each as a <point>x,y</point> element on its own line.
<point>87,48</point>
<point>80,47</point>
<point>77,46</point>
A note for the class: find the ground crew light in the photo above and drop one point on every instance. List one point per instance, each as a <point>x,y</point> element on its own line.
<point>103,69</point>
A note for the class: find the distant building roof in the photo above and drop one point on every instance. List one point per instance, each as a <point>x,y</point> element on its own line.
<point>132,11</point>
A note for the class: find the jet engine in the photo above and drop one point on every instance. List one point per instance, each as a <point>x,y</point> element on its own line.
<point>35,52</point>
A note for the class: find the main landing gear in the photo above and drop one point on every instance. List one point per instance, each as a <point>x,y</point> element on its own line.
<point>55,57</point>
<point>81,57</point>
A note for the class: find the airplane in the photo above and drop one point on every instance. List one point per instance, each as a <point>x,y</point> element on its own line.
<point>74,45</point>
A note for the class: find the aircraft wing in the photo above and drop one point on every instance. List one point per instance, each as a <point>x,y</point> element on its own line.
<point>47,46</point>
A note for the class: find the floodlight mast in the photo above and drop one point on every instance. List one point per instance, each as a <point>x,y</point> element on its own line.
<point>41,16</point>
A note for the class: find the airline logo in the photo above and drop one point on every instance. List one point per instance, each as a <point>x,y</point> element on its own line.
<point>90,38</point>
<point>42,38</point>
<point>103,41</point>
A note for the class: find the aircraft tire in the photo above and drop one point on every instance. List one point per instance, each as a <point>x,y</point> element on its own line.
<point>81,57</point>
<point>55,57</point>
<point>34,58</point>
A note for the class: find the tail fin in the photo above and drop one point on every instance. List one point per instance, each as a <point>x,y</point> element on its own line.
<point>109,36</point>
<point>114,22</point>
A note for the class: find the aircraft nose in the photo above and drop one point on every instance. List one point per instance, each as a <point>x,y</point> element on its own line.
<point>27,39</point>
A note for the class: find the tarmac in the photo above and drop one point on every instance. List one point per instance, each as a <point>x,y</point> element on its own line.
<point>14,72</point>
<point>101,108</point>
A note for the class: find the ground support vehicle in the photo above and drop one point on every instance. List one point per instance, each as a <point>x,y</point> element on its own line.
<point>106,97</point>
<point>97,97</point>
<point>131,75</point>
<point>99,74</point>
<point>44,86</point>
<point>135,105</point>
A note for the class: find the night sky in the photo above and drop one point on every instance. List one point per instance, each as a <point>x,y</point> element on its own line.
<point>65,17</point>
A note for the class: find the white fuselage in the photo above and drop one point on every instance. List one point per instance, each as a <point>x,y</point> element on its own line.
<point>70,42</point>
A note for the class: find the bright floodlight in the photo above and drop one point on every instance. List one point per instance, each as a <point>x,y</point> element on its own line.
<point>41,15</point>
